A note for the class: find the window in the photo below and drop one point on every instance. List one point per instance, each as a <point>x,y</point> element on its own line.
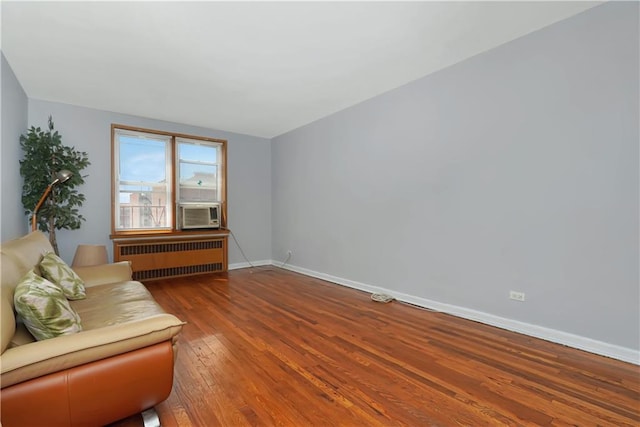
<point>198,170</point>
<point>153,172</point>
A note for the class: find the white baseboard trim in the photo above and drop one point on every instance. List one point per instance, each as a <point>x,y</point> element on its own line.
<point>238,265</point>
<point>575,341</point>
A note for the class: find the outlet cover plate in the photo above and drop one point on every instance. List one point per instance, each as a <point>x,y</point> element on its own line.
<point>518,296</point>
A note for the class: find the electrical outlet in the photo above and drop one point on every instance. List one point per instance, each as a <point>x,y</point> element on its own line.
<point>518,296</point>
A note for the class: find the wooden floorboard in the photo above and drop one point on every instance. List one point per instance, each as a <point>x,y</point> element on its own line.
<point>266,346</point>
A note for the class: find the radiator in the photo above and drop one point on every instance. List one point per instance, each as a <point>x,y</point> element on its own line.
<point>164,259</point>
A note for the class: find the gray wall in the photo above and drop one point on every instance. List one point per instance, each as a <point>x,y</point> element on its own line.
<point>14,123</point>
<point>515,169</point>
<point>248,179</point>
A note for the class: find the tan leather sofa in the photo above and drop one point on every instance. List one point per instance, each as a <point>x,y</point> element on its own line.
<point>120,364</point>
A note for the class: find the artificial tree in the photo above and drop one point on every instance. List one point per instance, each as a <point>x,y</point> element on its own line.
<point>43,156</point>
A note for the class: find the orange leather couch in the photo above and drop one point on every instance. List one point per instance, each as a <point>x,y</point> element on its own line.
<point>120,364</point>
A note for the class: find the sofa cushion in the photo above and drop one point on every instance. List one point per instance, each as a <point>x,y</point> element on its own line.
<point>115,303</point>
<point>44,309</point>
<point>96,275</point>
<point>25,253</point>
<point>54,269</point>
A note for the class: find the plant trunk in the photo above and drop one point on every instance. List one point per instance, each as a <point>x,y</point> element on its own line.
<point>52,235</point>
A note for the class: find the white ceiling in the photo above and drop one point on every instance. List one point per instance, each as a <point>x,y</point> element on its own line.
<point>258,68</point>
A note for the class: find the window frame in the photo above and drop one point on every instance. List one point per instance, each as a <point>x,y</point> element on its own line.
<point>172,179</point>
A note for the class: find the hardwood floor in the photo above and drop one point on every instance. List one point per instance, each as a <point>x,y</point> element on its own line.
<point>271,347</point>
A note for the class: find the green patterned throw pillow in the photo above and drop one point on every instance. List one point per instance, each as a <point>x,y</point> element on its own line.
<point>53,268</point>
<point>44,309</point>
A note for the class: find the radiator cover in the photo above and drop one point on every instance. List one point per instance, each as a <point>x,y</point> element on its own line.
<point>175,257</point>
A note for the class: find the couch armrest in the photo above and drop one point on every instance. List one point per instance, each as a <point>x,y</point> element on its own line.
<point>33,360</point>
<point>95,275</point>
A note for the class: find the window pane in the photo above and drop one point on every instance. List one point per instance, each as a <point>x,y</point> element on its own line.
<point>142,159</point>
<point>198,174</point>
<point>197,152</point>
<point>144,209</point>
<point>143,198</point>
<point>198,183</point>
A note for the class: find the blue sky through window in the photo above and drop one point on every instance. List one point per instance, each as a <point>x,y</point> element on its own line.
<point>142,159</point>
